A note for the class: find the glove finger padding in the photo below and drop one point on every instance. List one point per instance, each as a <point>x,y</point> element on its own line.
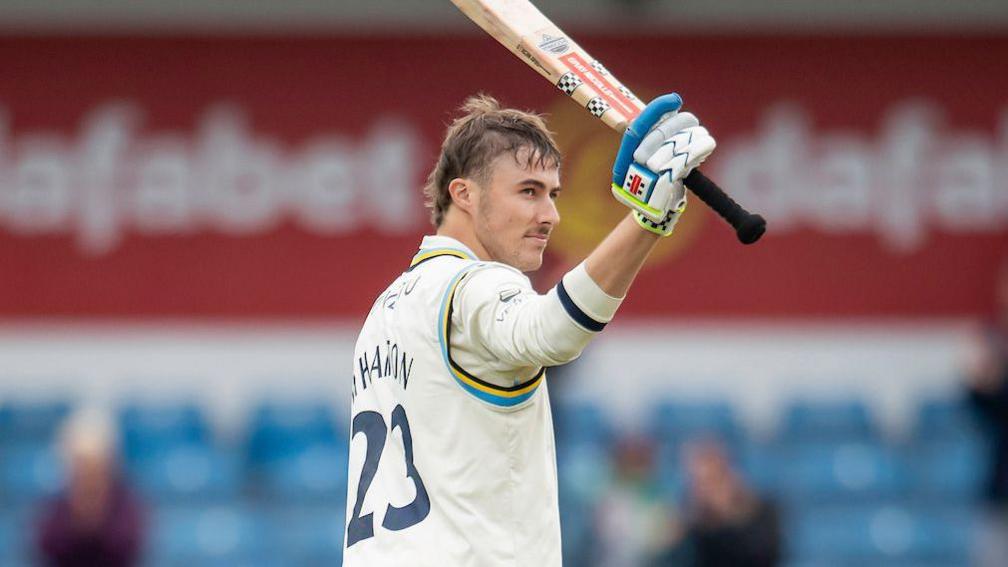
<point>665,129</point>
<point>683,151</point>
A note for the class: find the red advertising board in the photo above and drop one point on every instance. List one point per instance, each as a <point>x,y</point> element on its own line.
<point>280,177</point>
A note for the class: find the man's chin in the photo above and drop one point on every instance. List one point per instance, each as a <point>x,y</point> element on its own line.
<point>531,262</point>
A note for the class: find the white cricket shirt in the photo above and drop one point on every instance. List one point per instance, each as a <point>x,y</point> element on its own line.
<point>452,458</point>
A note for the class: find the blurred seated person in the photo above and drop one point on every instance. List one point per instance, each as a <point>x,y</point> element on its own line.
<point>986,376</point>
<point>633,525</point>
<point>727,524</point>
<point>95,520</point>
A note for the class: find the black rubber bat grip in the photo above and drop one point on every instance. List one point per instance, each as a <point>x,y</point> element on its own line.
<point>748,227</point>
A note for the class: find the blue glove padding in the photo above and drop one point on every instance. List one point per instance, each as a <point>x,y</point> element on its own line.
<point>639,128</point>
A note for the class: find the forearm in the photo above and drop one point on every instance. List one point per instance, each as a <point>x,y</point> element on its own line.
<point>542,333</point>
<point>498,310</point>
<point>553,329</point>
<point>615,262</point>
<point>529,329</point>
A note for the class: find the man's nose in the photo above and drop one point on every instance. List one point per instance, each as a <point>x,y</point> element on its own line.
<point>549,213</point>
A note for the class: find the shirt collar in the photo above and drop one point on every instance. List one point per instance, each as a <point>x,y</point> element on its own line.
<point>433,242</point>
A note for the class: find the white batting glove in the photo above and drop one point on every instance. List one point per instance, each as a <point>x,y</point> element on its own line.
<point>652,182</point>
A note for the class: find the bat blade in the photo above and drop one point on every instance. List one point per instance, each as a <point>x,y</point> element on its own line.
<point>519,26</point>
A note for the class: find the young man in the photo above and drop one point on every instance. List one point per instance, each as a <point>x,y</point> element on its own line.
<point>452,460</point>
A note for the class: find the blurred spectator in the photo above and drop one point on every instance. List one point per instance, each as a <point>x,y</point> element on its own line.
<point>987,381</point>
<point>633,524</point>
<point>95,520</point>
<point>728,524</point>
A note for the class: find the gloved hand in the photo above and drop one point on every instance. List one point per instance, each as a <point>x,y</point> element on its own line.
<point>659,149</point>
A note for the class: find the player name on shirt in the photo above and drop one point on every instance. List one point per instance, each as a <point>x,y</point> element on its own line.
<point>386,361</point>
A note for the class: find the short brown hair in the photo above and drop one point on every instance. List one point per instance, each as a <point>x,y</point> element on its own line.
<point>476,138</point>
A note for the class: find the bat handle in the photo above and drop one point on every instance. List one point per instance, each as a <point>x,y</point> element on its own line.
<point>748,227</point>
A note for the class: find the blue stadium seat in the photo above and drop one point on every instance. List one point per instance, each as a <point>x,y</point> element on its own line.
<point>149,430</point>
<point>946,419</point>
<point>281,430</point>
<point>316,473</point>
<point>582,422</point>
<point>13,538</point>
<point>760,465</point>
<point>875,563</point>
<point>189,473</point>
<point>584,470</point>
<point>29,472</point>
<point>677,421</point>
<point>576,524</point>
<point>947,532</point>
<point>881,533</point>
<point>949,469</point>
<point>31,421</point>
<point>222,535</point>
<point>826,420</point>
<point>821,472</point>
<point>267,558</point>
<point>310,536</point>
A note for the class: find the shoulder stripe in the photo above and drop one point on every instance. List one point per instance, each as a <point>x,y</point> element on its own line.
<point>490,393</point>
<point>575,312</point>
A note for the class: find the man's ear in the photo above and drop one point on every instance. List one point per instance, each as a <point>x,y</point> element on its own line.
<point>462,194</point>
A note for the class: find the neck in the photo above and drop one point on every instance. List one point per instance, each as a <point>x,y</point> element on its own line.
<point>461,229</point>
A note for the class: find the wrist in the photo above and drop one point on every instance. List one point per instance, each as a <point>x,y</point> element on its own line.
<point>661,229</point>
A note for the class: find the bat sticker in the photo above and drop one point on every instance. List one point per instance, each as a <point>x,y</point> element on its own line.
<point>569,83</point>
<point>608,92</point>
<point>597,106</point>
<point>557,45</point>
<point>598,67</point>
<point>626,92</point>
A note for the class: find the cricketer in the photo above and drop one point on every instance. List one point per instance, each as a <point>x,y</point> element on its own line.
<point>452,456</point>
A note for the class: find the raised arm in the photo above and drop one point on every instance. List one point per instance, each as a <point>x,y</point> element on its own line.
<point>615,262</point>
<point>521,329</point>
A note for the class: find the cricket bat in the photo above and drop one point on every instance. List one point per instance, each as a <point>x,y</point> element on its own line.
<point>533,38</point>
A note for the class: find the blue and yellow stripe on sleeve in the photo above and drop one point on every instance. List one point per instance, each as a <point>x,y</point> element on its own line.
<point>491,393</point>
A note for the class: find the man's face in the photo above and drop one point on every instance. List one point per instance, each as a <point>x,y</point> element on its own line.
<point>516,211</point>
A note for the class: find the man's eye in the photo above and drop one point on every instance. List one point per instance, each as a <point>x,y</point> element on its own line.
<point>528,191</point>
<point>554,195</point>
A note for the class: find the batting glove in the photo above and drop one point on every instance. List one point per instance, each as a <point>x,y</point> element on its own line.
<point>660,148</point>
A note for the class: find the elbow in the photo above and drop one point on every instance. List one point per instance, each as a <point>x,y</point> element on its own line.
<point>542,354</point>
<point>560,350</point>
<point>563,356</point>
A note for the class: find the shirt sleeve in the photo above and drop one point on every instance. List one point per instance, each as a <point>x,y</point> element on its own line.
<point>499,312</point>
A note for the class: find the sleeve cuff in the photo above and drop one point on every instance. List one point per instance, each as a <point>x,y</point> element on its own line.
<point>585,301</point>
